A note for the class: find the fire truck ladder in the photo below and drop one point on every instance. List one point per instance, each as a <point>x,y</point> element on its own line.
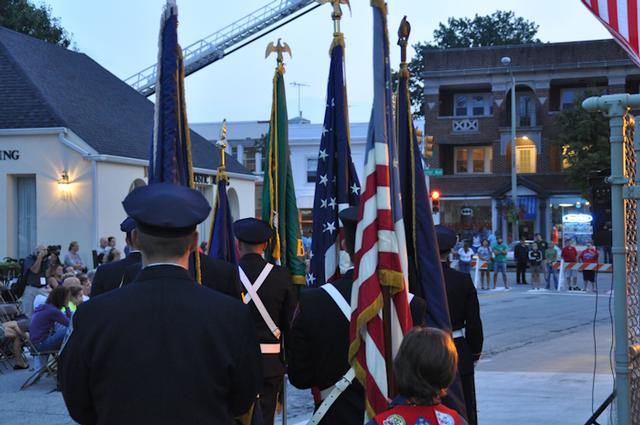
<point>212,48</point>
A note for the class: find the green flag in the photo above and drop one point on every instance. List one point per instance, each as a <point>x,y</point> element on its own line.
<point>278,194</point>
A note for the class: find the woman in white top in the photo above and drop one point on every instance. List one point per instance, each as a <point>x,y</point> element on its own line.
<point>465,253</point>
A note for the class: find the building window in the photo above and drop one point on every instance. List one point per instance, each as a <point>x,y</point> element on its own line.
<point>526,158</point>
<point>475,159</point>
<point>567,98</point>
<point>473,105</point>
<point>526,112</point>
<point>312,168</point>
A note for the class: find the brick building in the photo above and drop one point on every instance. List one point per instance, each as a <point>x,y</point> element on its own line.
<point>468,111</point>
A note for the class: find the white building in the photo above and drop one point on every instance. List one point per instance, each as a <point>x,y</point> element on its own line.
<point>304,143</point>
<point>73,138</point>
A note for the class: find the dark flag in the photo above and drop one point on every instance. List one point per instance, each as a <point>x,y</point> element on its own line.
<point>170,156</point>
<point>170,159</point>
<point>425,270</point>
<point>221,240</point>
<point>337,185</point>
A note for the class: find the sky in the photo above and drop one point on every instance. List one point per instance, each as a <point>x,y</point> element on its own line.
<point>122,36</point>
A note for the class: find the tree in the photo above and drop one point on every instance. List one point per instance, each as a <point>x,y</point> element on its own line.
<point>36,21</point>
<point>584,140</point>
<point>499,28</point>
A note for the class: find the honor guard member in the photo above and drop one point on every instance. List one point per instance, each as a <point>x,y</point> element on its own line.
<point>111,275</point>
<point>162,350</point>
<point>269,291</point>
<point>318,345</point>
<point>464,311</point>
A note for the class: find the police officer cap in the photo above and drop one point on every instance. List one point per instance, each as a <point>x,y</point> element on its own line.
<point>166,210</point>
<point>446,238</point>
<point>252,231</point>
<point>349,218</point>
<point>127,225</point>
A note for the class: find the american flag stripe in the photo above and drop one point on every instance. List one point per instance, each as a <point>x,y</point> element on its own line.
<point>381,256</point>
<point>620,17</point>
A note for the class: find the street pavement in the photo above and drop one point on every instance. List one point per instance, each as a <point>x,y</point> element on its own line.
<point>537,365</point>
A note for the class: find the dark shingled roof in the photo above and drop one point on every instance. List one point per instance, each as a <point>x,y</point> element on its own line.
<point>575,53</point>
<point>44,85</point>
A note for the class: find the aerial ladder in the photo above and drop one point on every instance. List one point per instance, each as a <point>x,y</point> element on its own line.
<point>214,47</point>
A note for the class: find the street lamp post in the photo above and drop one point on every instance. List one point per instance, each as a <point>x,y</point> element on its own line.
<point>506,61</point>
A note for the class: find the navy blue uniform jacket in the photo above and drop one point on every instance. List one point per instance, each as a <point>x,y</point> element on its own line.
<point>163,350</point>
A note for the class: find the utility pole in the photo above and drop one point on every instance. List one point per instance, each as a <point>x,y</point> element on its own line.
<point>506,61</point>
<point>299,86</point>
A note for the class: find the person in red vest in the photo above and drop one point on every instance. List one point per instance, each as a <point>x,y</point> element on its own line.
<point>570,255</point>
<point>424,368</point>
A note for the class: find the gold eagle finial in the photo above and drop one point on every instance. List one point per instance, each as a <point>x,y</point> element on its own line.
<point>278,48</point>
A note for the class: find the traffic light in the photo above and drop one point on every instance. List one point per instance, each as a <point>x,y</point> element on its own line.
<point>428,147</point>
<point>435,201</point>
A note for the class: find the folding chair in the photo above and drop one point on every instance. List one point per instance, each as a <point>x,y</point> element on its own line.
<point>45,363</point>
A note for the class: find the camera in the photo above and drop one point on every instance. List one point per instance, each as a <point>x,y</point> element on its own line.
<point>54,249</point>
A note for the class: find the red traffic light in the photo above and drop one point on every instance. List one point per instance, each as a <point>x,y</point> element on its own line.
<point>435,195</point>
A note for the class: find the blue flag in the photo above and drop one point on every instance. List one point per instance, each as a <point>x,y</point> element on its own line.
<point>170,156</point>
<point>337,185</point>
<point>221,240</point>
<point>426,278</point>
<point>425,271</point>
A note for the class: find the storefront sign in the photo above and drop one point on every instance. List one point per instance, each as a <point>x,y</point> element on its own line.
<point>466,211</point>
<point>433,171</point>
<point>10,155</point>
<point>202,179</point>
<point>577,218</point>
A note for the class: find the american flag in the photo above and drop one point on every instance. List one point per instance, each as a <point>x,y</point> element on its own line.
<point>337,185</point>
<point>620,17</point>
<point>381,257</point>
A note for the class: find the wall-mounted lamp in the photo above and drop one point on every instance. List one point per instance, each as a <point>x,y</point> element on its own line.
<point>64,184</point>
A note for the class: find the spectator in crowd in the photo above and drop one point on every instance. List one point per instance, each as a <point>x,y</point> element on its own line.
<point>484,255</point>
<point>86,286</point>
<point>521,255</point>
<point>35,267</point>
<point>203,247</point>
<point>12,331</point>
<point>535,261</point>
<point>477,242</point>
<point>500,262</point>
<point>589,255</point>
<point>492,239</point>
<point>55,276</point>
<point>424,368</point>
<point>75,298</point>
<point>550,257</point>
<point>542,246</point>
<point>570,255</point>
<point>464,254</point>
<point>102,249</point>
<point>45,335</point>
<point>72,258</point>
<point>113,255</point>
<point>111,240</point>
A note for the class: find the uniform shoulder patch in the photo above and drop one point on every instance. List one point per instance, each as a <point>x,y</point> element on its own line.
<point>422,421</point>
<point>444,418</point>
<point>394,419</point>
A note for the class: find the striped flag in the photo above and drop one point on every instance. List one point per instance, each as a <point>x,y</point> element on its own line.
<point>337,185</point>
<point>379,302</point>
<point>620,17</point>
